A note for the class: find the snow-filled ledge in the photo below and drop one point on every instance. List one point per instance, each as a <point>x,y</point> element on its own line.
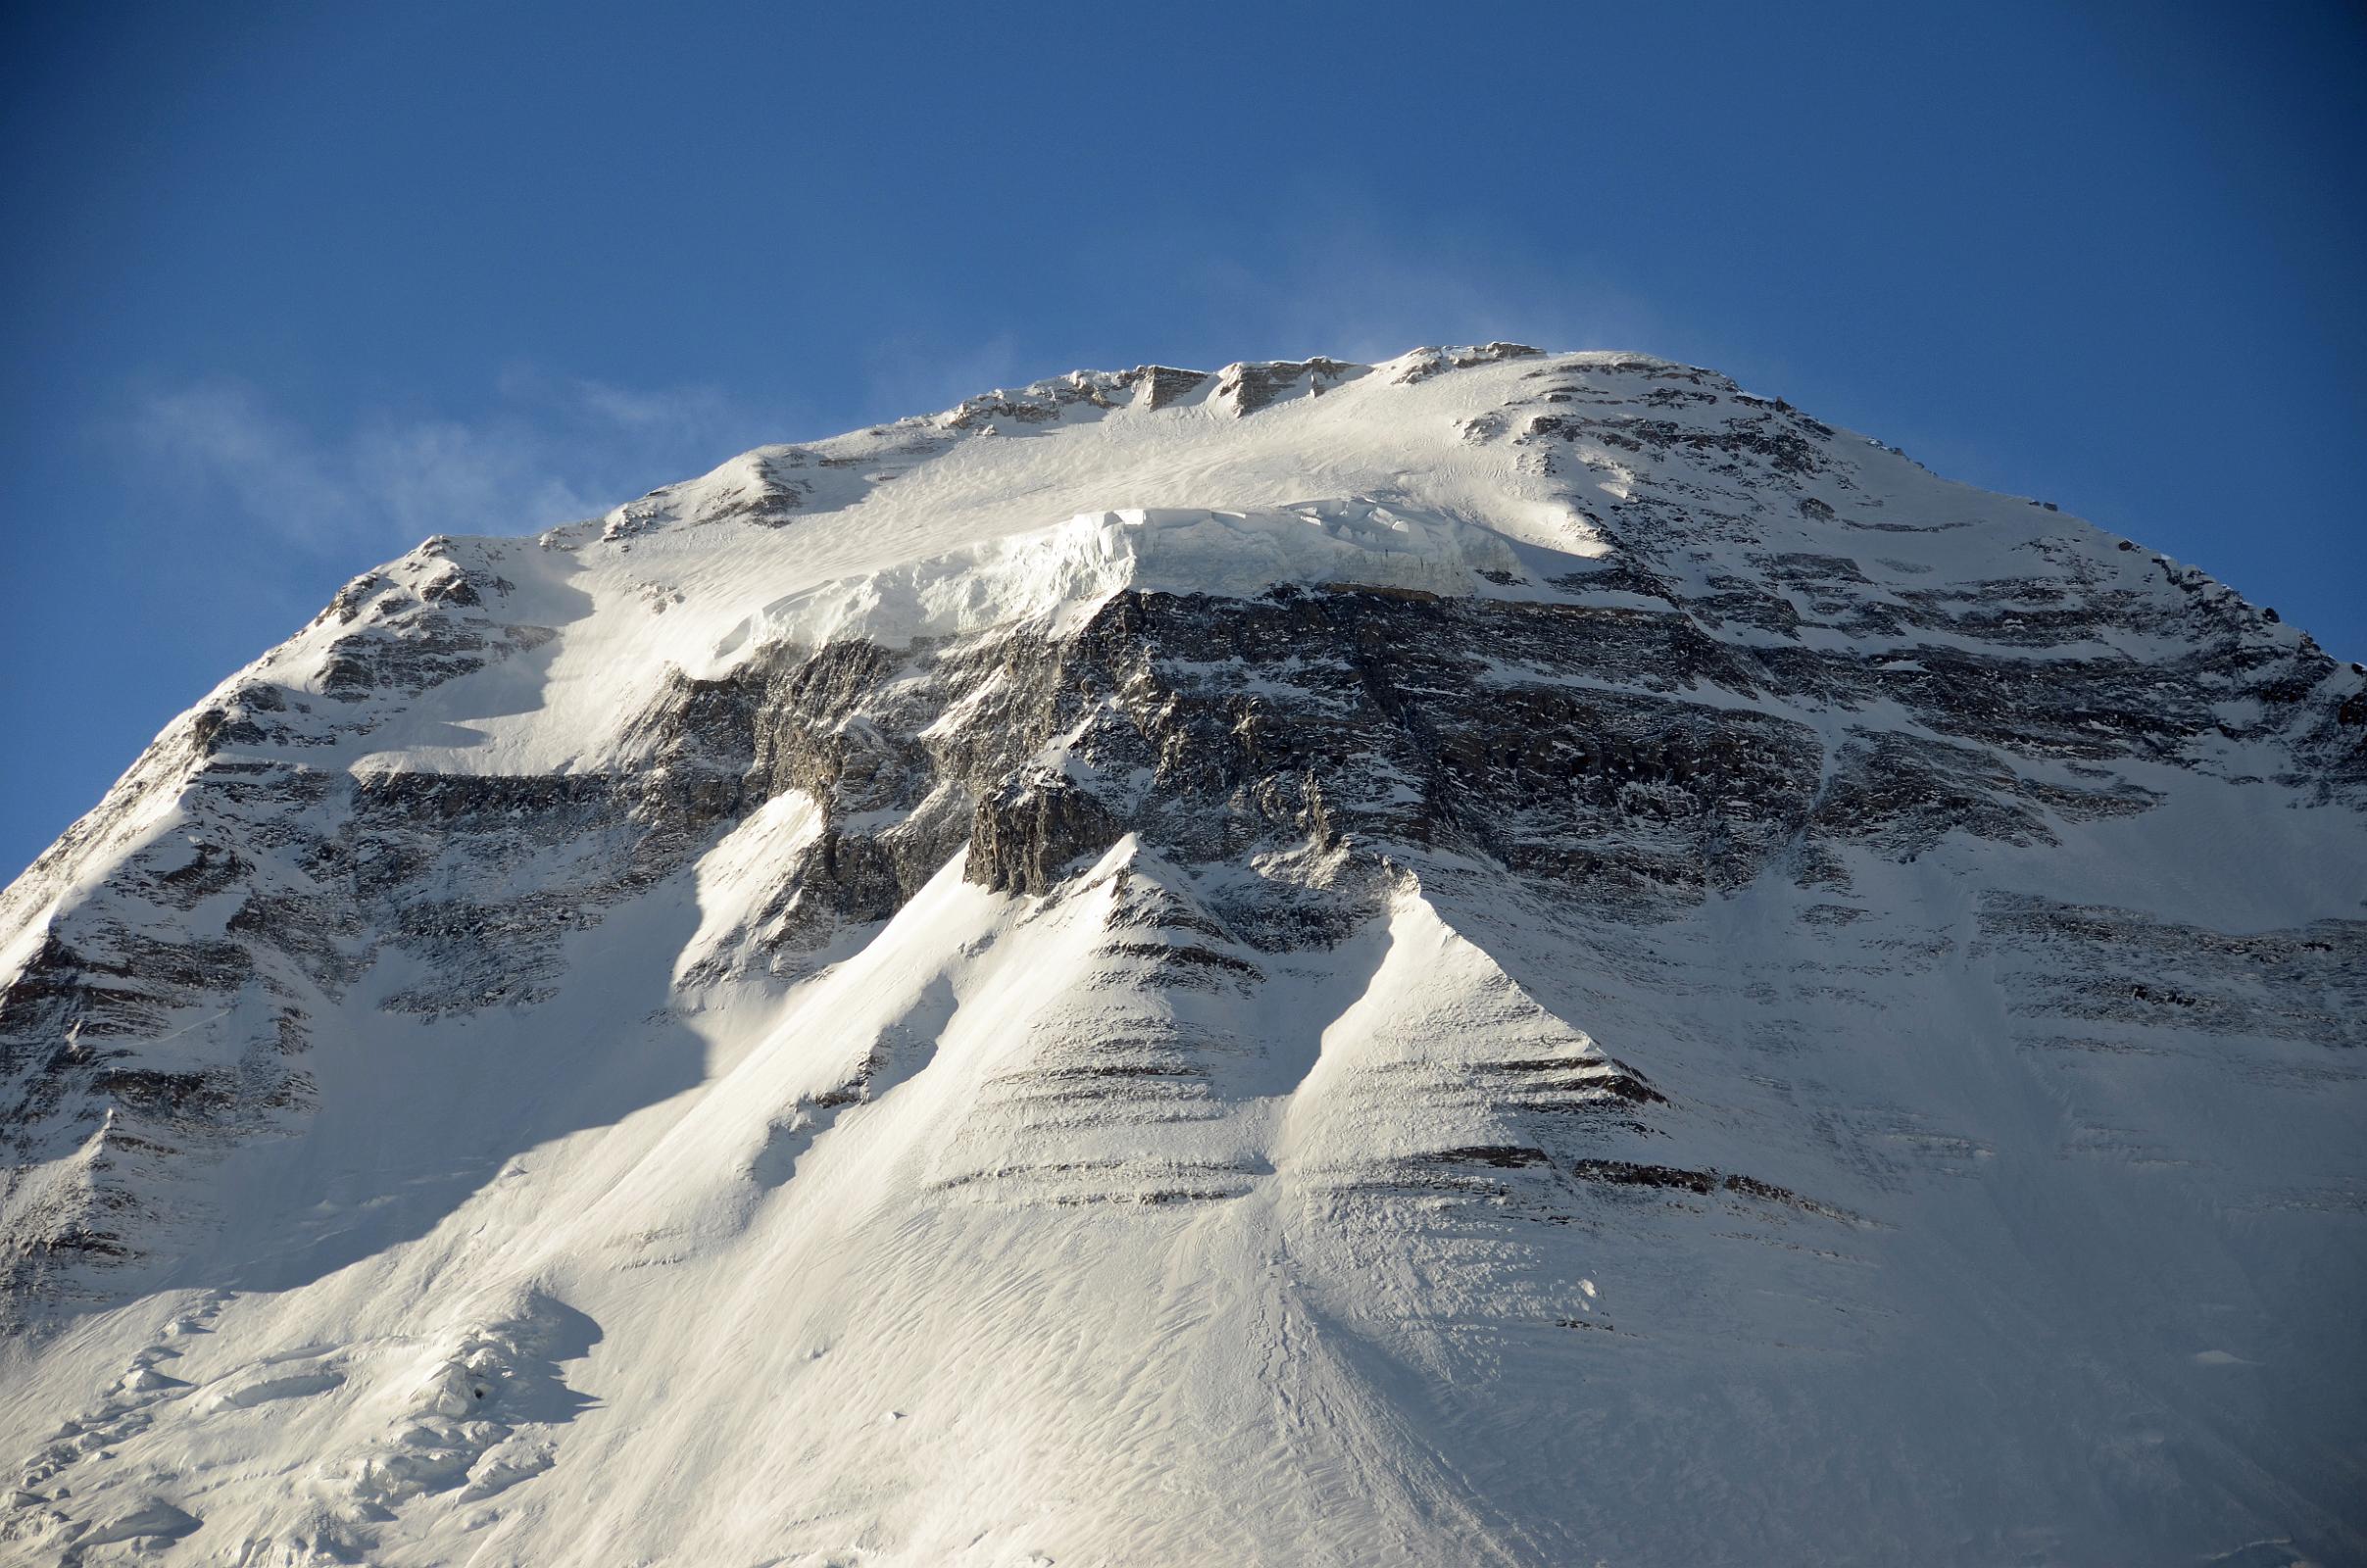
<point>1064,573</point>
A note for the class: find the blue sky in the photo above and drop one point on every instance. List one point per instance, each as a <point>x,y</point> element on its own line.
<point>287,288</point>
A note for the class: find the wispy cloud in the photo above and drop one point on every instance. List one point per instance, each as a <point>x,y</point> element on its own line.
<point>907,373</point>
<point>1349,279</point>
<point>269,469</point>
<point>546,450</point>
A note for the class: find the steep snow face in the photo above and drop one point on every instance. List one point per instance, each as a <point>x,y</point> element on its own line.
<point>1498,957</point>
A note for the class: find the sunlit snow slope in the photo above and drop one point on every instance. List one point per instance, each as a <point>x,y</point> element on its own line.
<point>1492,958</point>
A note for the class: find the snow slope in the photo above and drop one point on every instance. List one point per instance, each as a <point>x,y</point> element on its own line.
<point>1496,958</point>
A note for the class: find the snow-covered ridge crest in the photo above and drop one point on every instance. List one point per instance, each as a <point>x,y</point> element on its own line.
<point>777,484</point>
<point>1063,574</point>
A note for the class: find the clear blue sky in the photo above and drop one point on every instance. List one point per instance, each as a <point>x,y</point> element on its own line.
<point>286,288</point>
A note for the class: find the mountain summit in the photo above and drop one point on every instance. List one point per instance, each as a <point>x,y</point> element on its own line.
<point>1498,957</point>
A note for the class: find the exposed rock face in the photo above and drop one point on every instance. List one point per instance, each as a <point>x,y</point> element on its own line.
<point>1479,831</point>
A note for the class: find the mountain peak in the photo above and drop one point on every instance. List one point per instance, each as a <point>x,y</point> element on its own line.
<point>1263,964</point>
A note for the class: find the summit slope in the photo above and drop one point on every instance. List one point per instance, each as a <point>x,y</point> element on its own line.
<point>1497,958</point>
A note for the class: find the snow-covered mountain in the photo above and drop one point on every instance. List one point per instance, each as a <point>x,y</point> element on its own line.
<point>1490,958</point>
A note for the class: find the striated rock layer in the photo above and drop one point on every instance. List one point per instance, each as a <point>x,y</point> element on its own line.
<point>1496,958</point>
